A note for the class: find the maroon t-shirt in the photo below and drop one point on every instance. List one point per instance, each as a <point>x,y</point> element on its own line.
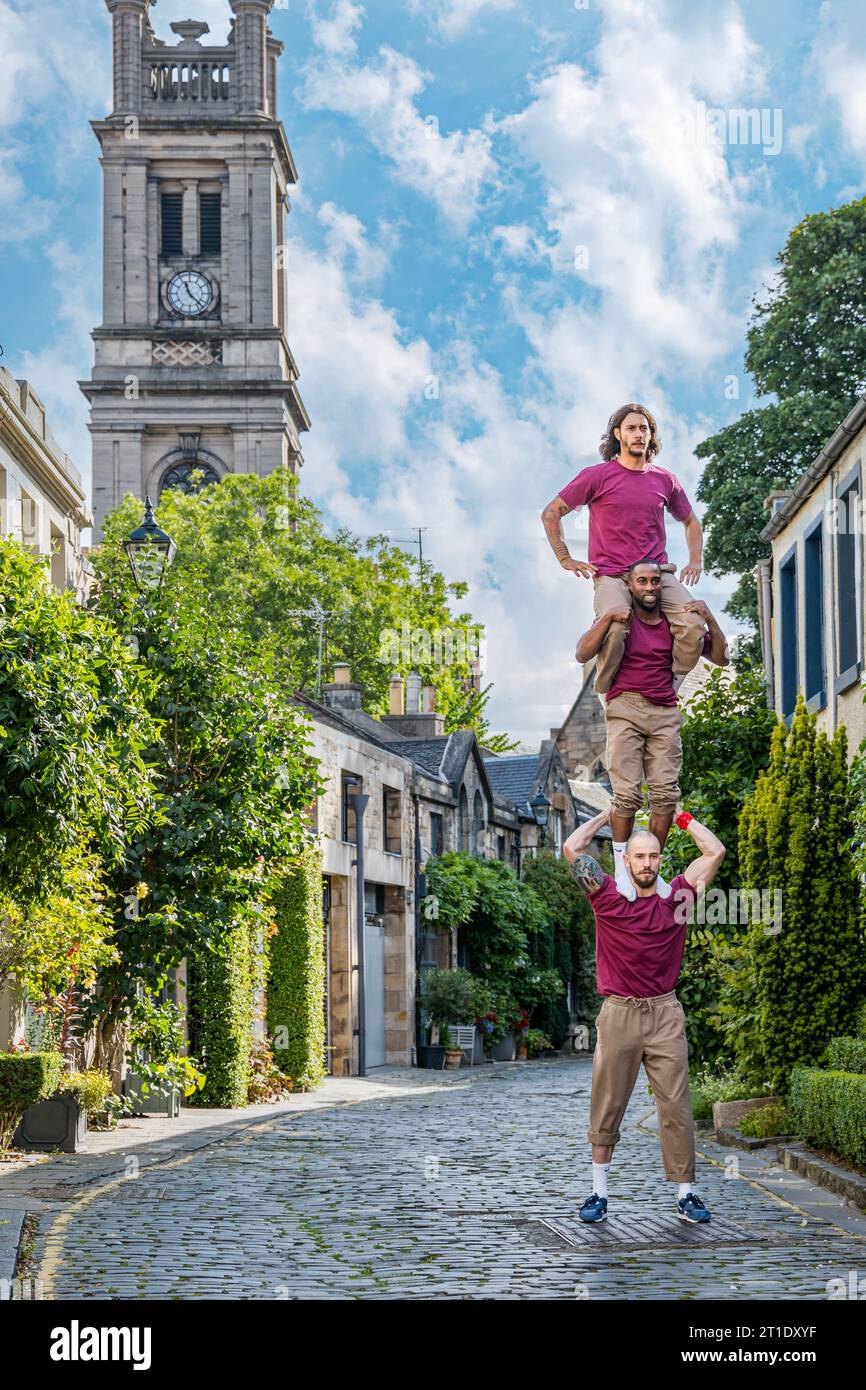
<point>639,945</point>
<point>626,512</point>
<point>647,663</point>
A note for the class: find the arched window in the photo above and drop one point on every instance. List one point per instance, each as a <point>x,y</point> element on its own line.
<point>463,820</point>
<point>189,476</point>
<point>478,824</point>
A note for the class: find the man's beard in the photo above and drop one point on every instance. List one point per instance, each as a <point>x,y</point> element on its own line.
<point>646,878</point>
<point>650,607</point>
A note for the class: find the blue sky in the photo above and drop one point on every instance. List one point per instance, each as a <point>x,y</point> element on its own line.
<point>543,207</point>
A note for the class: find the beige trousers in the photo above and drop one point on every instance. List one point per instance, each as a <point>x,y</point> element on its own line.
<point>687,629</point>
<point>643,745</point>
<point>651,1031</point>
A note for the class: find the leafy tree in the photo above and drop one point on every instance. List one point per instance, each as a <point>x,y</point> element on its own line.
<point>74,724</point>
<point>261,554</point>
<point>806,347</point>
<point>232,774</point>
<point>562,944</point>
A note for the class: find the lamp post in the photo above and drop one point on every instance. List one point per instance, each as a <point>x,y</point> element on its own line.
<point>150,552</point>
<point>540,808</point>
<point>359,802</point>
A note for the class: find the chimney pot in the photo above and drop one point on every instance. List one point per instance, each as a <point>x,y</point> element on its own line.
<point>395,694</point>
<point>413,693</point>
<point>428,700</point>
<point>341,673</point>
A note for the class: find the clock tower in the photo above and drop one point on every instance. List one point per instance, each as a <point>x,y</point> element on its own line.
<point>193,376</point>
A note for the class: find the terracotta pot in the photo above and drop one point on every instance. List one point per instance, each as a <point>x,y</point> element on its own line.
<point>522,1052</point>
<point>453,1059</point>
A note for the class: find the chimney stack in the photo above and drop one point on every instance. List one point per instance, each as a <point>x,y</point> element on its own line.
<point>420,719</point>
<point>340,694</point>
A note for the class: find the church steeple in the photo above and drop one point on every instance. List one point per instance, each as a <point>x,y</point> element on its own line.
<point>193,346</point>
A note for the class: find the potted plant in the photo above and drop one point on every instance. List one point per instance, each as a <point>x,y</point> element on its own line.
<point>447,997</point>
<point>520,1026</point>
<point>159,1074</point>
<point>537,1042</point>
<point>453,1055</point>
<point>32,1112</point>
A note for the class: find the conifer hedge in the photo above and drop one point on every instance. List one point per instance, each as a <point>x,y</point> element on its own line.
<point>795,835</point>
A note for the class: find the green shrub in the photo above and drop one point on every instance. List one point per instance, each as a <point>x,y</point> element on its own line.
<point>766,1120</point>
<point>810,973</point>
<point>537,1042</point>
<point>221,1015</point>
<point>716,1083</point>
<point>93,1088</point>
<point>296,973</point>
<point>449,996</point>
<point>829,1108</point>
<point>846,1054</point>
<point>25,1078</point>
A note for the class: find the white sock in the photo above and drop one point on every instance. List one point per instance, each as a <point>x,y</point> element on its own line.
<point>684,1190</point>
<point>621,873</point>
<point>599,1178</point>
<point>662,887</point>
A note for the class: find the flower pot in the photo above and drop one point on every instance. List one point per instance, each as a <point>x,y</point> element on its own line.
<point>453,1059</point>
<point>505,1050</point>
<point>478,1051</point>
<point>522,1052</point>
<point>431,1057</point>
<point>153,1103</point>
<point>728,1113</point>
<point>59,1122</point>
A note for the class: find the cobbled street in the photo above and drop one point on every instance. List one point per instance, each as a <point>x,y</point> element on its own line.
<point>439,1186</point>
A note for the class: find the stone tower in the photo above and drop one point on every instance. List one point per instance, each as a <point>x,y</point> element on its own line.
<point>192,365</point>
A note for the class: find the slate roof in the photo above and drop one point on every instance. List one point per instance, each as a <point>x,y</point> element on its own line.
<point>429,752</point>
<point>513,776</point>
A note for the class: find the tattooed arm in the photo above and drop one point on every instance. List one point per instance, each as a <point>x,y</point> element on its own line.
<point>552,520</point>
<point>588,874</point>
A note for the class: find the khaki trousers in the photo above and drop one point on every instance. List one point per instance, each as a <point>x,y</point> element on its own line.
<point>687,629</point>
<point>651,1031</point>
<point>643,744</point>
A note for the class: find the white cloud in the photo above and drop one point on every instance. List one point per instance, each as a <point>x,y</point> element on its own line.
<point>337,34</point>
<point>839,59</point>
<point>454,17</point>
<point>451,170</point>
<point>346,237</point>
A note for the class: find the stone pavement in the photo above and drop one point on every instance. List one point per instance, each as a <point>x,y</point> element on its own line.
<point>415,1184</point>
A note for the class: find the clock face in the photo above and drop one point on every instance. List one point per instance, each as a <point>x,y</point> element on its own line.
<point>189,293</point>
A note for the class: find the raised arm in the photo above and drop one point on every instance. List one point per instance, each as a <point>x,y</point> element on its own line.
<point>583,835</point>
<point>552,520</point>
<point>701,872</point>
<point>691,573</point>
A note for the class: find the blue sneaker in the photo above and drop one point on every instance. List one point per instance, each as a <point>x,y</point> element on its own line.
<point>594,1208</point>
<point>691,1208</point>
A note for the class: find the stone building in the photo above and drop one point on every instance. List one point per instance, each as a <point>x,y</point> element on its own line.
<point>429,792</point>
<point>42,505</point>
<point>42,499</point>
<point>811,589</point>
<point>192,366</point>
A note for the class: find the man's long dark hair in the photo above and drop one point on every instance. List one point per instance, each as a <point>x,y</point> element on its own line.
<point>610,445</point>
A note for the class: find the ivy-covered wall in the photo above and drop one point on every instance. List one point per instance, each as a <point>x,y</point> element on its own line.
<point>296,976</point>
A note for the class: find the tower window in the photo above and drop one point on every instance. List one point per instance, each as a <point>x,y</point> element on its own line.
<point>210,237</point>
<point>172,224</point>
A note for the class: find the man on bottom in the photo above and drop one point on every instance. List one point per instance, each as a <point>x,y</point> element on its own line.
<point>639,952</point>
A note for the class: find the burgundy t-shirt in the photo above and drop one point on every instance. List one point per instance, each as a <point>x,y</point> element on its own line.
<point>647,663</point>
<point>626,512</point>
<point>639,945</point>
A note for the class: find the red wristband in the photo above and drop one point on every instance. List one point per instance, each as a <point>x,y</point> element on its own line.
<point>683,820</point>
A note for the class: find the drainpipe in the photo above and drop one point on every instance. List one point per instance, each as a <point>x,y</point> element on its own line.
<point>765,610</point>
<point>420,891</point>
<point>359,804</point>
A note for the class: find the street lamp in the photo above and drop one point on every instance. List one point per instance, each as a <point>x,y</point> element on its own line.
<point>540,808</point>
<point>149,551</point>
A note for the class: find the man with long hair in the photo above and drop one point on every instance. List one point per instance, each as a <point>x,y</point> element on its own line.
<point>639,953</point>
<point>627,495</point>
